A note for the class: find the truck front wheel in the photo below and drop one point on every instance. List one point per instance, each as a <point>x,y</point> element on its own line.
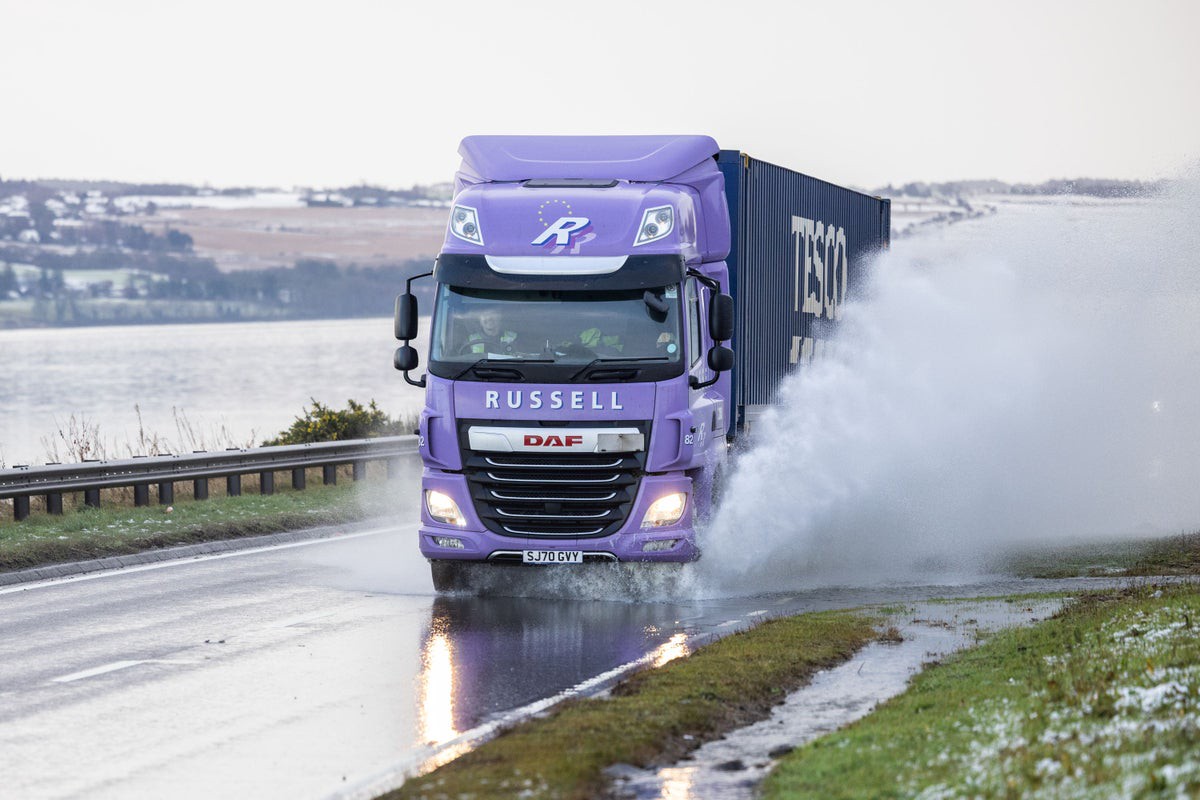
<point>448,576</point>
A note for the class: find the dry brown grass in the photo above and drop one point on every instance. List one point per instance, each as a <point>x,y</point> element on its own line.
<point>253,238</point>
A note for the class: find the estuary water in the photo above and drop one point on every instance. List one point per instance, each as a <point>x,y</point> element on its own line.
<point>197,386</point>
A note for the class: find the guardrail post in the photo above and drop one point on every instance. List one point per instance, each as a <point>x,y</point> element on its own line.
<point>233,485</point>
<point>20,508</point>
<point>329,474</point>
<point>141,494</point>
<point>91,497</point>
<point>166,493</point>
<point>54,503</point>
<point>360,470</point>
<point>200,489</point>
<point>298,478</point>
<point>266,483</point>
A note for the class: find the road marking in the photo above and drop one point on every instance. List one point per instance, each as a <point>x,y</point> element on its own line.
<point>756,613</point>
<point>425,759</point>
<point>108,573</point>
<point>114,666</point>
<point>728,622</point>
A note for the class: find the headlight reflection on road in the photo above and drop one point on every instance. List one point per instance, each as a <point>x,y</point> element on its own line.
<point>677,784</point>
<point>673,648</point>
<point>437,690</point>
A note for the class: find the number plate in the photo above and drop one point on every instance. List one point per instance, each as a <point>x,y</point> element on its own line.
<point>552,556</point>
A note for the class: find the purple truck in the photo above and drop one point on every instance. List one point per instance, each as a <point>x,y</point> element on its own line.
<point>582,392</point>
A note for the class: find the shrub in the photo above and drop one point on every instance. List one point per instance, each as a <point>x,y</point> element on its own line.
<point>320,423</point>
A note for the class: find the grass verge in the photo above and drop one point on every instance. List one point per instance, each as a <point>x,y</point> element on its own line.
<point>85,533</point>
<point>1101,700</point>
<point>653,717</point>
<point>1172,555</point>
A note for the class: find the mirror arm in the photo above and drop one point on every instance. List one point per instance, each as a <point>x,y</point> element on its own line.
<point>707,281</point>
<point>420,384</point>
<point>408,283</point>
<point>696,383</point>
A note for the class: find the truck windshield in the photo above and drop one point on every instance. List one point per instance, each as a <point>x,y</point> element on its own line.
<point>556,327</point>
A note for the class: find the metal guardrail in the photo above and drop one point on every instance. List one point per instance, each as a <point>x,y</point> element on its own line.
<point>53,480</point>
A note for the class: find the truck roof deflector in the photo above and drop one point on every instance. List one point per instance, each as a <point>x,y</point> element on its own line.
<point>630,158</point>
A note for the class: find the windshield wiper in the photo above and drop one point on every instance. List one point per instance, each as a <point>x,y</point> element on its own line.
<point>596,361</point>
<point>483,361</point>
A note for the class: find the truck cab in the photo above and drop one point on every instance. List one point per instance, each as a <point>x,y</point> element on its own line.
<point>577,385</point>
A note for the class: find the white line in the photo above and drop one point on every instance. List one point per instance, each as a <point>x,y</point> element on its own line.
<point>113,667</point>
<point>108,573</point>
<point>756,613</point>
<point>427,758</point>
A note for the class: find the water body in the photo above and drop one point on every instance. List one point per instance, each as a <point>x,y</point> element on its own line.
<point>234,383</point>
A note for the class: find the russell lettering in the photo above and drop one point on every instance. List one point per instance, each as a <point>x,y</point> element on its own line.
<point>574,400</point>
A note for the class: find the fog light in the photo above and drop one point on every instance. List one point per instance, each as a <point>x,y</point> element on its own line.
<point>658,545</point>
<point>449,542</point>
<point>443,508</point>
<point>666,510</point>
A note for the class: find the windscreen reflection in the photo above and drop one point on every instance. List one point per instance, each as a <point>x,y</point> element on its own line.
<point>558,326</point>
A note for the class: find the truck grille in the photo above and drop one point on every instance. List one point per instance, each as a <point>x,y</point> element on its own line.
<point>522,494</point>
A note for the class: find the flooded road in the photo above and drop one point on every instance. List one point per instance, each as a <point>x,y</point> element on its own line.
<point>326,668</point>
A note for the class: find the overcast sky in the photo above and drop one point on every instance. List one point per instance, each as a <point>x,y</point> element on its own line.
<point>325,94</point>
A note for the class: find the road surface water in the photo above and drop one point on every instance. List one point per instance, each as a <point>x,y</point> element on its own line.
<point>313,670</point>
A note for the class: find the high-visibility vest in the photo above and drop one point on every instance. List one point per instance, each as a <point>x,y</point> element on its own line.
<point>593,338</point>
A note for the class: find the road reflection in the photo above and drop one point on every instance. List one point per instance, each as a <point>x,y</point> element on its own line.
<point>673,648</point>
<point>436,709</point>
<point>481,657</point>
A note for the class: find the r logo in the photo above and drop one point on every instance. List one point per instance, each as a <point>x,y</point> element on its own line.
<point>562,229</point>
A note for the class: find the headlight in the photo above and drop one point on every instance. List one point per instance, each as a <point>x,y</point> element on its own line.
<point>656,223</point>
<point>464,223</point>
<point>666,510</point>
<point>443,508</point>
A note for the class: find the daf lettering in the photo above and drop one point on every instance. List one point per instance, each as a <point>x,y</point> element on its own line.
<point>533,440</point>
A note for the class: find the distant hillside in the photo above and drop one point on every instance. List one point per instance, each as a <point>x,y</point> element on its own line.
<point>1092,187</point>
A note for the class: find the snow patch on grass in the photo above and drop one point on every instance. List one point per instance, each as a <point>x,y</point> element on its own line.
<point>1119,715</point>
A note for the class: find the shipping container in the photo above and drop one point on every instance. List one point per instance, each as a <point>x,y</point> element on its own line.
<point>800,248</point>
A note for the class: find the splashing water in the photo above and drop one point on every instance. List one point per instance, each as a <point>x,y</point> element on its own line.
<point>1030,377</point>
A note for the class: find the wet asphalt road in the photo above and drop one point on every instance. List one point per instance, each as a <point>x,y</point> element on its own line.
<point>313,669</point>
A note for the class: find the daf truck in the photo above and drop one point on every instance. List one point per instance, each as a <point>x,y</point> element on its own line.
<point>608,314</point>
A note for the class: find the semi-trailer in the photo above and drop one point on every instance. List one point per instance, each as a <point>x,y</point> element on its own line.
<point>609,314</point>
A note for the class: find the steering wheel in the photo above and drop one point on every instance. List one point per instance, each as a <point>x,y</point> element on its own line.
<point>466,347</point>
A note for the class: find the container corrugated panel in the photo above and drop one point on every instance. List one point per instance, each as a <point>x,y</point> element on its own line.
<point>800,249</point>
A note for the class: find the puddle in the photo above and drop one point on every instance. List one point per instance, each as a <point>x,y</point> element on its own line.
<point>731,768</point>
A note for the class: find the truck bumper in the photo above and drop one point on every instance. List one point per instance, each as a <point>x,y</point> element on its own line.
<point>474,542</point>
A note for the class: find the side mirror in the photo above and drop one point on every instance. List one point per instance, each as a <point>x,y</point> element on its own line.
<point>720,359</point>
<point>406,318</point>
<point>406,358</point>
<point>720,319</point>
